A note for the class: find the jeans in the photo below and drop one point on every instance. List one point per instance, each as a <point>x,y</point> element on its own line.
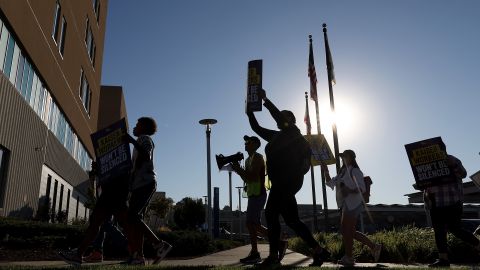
<point>449,218</point>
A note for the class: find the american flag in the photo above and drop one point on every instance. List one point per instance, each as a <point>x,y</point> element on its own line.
<point>312,73</point>
<point>306,119</point>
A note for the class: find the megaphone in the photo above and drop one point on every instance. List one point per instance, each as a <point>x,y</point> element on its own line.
<point>223,160</point>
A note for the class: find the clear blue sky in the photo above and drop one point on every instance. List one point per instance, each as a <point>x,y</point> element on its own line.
<point>406,71</point>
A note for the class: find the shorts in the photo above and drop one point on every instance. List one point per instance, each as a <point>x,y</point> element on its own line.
<point>140,199</point>
<point>255,207</point>
<point>355,212</point>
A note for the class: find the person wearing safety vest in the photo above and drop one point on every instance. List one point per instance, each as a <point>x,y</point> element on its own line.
<point>253,175</point>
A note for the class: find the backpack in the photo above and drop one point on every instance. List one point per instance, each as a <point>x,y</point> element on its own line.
<point>288,153</point>
<point>368,182</point>
<point>305,154</point>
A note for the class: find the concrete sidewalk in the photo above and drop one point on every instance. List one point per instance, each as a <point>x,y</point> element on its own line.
<point>231,258</point>
<point>227,258</point>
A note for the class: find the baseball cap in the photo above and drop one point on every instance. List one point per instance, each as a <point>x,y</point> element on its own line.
<point>349,153</point>
<point>253,139</point>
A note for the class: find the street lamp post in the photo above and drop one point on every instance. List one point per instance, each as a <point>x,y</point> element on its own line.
<point>239,198</point>
<point>229,169</point>
<point>206,210</point>
<point>230,189</point>
<point>208,124</point>
<point>240,227</point>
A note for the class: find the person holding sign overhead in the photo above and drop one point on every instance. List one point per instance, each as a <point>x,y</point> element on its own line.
<point>445,205</point>
<point>288,159</point>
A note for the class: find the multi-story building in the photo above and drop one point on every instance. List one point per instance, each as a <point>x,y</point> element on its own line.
<point>51,100</point>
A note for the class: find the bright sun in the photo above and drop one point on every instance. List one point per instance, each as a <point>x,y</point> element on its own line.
<point>346,117</point>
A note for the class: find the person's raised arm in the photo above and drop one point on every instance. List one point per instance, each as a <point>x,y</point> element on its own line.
<point>274,111</point>
<point>266,134</point>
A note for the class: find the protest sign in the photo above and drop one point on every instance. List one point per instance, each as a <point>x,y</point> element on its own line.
<point>428,159</point>
<point>476,178</point>
<point>321,151</point>
<point>112,152</point>
<point>253,102</point>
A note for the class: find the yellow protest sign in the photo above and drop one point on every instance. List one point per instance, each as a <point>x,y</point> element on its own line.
<point>321,151</point>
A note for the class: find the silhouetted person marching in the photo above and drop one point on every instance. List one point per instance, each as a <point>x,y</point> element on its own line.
<point>142,187</point>
<point>253,174</point>
<point>445,204</point>
<point>285,152</point>
<point>350,186</point>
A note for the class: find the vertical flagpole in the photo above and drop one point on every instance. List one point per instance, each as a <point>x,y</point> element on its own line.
<point>312,175</point>
<point>319,132</point>
<point>330,91</point>
<point>322,174</point>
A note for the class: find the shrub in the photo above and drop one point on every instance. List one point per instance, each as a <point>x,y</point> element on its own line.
<point>401,245</point>
<point>21,234</point>
<point>39,234</point>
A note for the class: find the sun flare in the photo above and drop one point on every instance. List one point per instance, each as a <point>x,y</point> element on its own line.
<point>346,117</point>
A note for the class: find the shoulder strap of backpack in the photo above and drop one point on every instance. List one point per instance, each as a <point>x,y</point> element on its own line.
<point>361,195</point>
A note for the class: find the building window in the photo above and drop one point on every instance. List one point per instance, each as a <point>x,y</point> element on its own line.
<point>60,199</point>
<point>34,95</point>
<point>4,155</point>
<point>96,8</point>
<point>20,71</point>
<point>78,204</point>
<point>61,46</point>
<point>28,81</point>
<point>85,93</point>
<point>9,56</point>
<point>54,200</point>
<point>68,203</point>
<point>56,21</point>
<point>59,31</point>
<point>49,186</point>
<point>3,43</point>
<point>90,43</point>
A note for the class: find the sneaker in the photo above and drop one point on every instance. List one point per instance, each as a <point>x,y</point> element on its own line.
<point>270,263</point>
<point>71,257</point>
<point>162,249</point>
<point>137,261</point>
<point>440,263</point>
<point>252,258</point>
<point>282,250</point>
<point>320,256</point>
<point>94,257</point>
<point>346,261</point>
<point>376,252</point>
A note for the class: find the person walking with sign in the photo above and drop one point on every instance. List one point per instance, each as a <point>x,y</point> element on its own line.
<point>445,205</point>
<point>288,159</point>
<point>142,187</point>
<point>350,186</point>
<point>112,200</point>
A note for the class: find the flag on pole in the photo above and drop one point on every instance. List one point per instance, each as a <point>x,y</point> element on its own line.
<point>306,118</point>
<point>312,73</point>
<point>331,73</point>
